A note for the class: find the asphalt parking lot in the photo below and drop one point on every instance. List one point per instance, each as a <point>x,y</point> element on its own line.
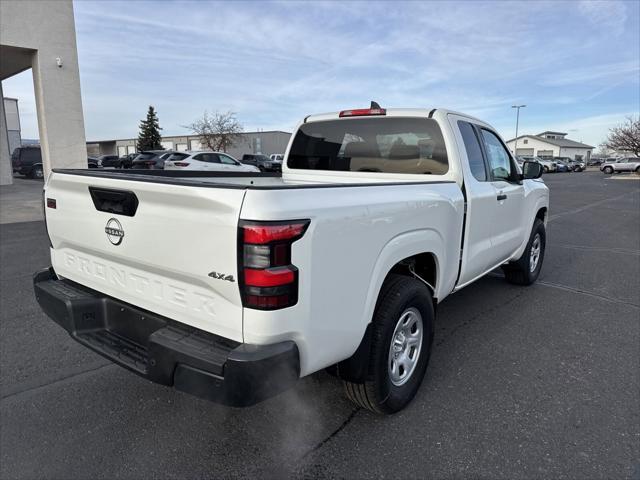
<point>525,383</point>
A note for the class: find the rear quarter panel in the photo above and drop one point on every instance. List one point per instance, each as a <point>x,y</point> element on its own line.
<point>356,234</point>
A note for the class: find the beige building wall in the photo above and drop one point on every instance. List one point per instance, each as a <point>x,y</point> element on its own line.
<point>41,35</point>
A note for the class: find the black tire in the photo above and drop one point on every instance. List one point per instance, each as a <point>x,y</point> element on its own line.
<point>608,170</point>
<point>520,272</point>
<point>637,170</point>
<point>37,172</point>
<point>545,169</point>
<point>399,294</point>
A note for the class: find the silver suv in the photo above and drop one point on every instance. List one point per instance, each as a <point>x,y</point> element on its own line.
<point>629,164</point>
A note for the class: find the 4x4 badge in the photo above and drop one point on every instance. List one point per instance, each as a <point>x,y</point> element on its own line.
<point>222,276</point>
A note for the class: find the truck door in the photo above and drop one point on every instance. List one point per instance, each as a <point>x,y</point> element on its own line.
<point>481,201</point>
<point>507,218</point>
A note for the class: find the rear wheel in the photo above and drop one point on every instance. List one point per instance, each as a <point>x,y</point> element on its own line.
<point>402,334</point>
<point>637,170</point>
<point>526,269</point>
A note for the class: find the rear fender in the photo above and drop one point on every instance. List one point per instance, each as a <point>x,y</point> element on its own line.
<point>397,249</point>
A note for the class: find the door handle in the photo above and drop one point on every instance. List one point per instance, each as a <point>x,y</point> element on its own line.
<point>502,196</point>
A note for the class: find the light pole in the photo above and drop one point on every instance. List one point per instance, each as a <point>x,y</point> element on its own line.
<point>517,107</point>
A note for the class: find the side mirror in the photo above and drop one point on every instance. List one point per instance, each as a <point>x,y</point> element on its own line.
<point>531,170</point>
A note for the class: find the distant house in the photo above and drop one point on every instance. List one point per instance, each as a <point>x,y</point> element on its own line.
<point>550,144</point>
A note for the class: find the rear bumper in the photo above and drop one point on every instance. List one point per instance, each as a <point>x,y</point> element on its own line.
<point>165,351</point>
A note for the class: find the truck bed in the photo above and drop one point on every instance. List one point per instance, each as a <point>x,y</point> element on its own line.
<point>259,181</point>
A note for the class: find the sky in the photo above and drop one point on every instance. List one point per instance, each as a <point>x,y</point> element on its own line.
<point>576,65</point>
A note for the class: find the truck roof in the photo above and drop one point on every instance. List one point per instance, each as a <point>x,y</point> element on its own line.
<point>393,112</point>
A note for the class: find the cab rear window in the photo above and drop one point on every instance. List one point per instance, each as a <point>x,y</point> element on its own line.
<point>387,145</point>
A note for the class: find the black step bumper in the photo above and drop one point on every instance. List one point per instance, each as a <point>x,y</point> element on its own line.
<point>165,351</point>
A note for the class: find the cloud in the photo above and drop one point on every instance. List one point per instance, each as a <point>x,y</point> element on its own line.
<point>589,73</point>
<point>607,15</point>
<point>275,62</point>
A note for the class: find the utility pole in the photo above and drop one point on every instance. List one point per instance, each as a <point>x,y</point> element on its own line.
<point>517,107</point>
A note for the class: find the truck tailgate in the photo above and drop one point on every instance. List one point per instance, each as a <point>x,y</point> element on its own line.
<point>161,257</point>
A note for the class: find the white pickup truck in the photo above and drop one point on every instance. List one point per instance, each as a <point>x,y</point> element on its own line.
<point>233,286</point>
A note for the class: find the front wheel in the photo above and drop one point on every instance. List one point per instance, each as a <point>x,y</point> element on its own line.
<point>608,170</point>
<point>545,169</point>
<point>526,269</point>
<point>401,338</point>
<point>37,172</point>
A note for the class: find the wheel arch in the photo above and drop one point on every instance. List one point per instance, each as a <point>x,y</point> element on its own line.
<point>401,255</point>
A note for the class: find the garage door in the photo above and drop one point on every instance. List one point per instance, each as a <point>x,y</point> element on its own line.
<point>131,149</point>
<point>525,152</point>
<point>181,147</point>
<point>196,145</point>
<point>167,145</point>
<point>122,151</point>
<point>545,153</point>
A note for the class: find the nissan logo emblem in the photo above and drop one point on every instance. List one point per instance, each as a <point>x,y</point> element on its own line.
<point>114,231</point>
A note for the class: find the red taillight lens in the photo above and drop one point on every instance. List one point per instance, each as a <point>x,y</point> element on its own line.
<point>51,203</point>
<point>268,280</point>
<point>363,112</point>
<point>266,233</point>
<point>269,277</point>
<point>181,164</point>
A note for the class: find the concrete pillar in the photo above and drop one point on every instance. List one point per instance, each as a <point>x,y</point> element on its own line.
<point>6,173</point>
<point>47,31</point>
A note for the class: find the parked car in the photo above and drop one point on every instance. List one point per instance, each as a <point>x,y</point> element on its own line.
<point>126,160</point>
<point>276,157</point>
<point>108,161</point>
<point>264,163</point>
<point>577,165</point>
<point>27,161</point>
<point>328,266</point>
<point>561,166</point>
<point>548,166</point>
<point>92,162</point>
<point>207,161</point>
<point>151,159</point>
<point>628,164</point>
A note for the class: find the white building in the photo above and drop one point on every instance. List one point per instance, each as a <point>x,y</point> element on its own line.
<point>550,144</point>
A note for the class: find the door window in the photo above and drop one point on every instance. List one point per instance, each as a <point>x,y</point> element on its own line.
<point>474,152</point>
<point>207,157</point>
<point>227,160</point>
<point>497,156</point>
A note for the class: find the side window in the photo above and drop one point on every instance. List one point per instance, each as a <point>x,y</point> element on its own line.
<point>227,160</point>
<point>212,158</point>
<point>474,152</point>
<point>199,157</point>
<point>497,155</point>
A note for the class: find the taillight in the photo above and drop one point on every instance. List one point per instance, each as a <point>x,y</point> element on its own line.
<point>363,112</point>
<point>268,280</point>
<point>180,164</point>
<point>149,163</point>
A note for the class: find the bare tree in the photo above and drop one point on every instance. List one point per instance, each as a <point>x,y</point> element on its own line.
<point>625,137</point>
<point>218,131</point>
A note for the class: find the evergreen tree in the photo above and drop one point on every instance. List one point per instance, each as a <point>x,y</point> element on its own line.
<point>149,136</point>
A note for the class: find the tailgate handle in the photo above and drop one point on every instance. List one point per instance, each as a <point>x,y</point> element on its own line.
<point>121,202</point>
